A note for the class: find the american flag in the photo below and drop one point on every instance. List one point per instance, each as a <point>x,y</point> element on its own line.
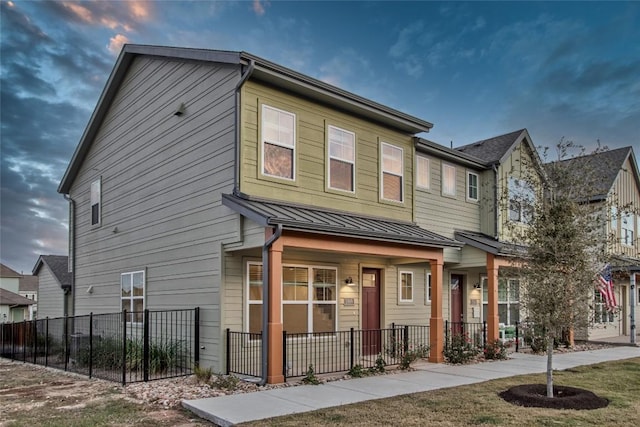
<point>605,286</point>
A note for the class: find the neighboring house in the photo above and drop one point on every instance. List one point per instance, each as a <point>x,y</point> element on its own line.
<point>28,288</point>
<point>618,193</point>
<point>13,306</point>
<point>9,279</point>
<point>206,177</point>
<point>54,278</point>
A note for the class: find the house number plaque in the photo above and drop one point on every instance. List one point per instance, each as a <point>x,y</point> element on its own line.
<point>348,302</point>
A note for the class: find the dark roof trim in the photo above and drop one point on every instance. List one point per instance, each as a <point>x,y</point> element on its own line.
<point>264,70</point>
<point>309,219</point>
<point>429,147</point>
<point>489,244</point>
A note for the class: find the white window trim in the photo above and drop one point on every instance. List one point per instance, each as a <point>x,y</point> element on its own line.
<point>400,274</point>
<point>353,162</point>
<point>471,199</point>
<point>427,290</point>
<point>132,298</point>
<point>427,170</point>
<point>97,200</point>
<point>455,173</point>
<point>310,302</point>
<point>521,189</point>
<point>627,220</point>
<point>484,281</point>
<point>383,171</point>
<point>278,143</point>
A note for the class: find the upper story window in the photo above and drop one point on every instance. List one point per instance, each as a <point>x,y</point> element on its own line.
<point>448,180</point>
<point>342,159</point>
<point>96,205</point>
<point>278,143</point>
<point>521,200</point>
<point>406,286</point>
<point>423,169</point>
<point>473,183</point>
<point>627,228</point>
<point>132,289</point>
<point>392,173</point>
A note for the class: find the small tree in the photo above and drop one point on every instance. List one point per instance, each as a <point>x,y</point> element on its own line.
<point>565,249</point>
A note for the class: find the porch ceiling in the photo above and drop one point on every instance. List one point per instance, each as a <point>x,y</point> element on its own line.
<point>332,222</point>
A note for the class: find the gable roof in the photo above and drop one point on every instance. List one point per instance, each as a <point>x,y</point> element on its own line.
<point>7,272</point>
<point>13,299</point>
<point>28,284</point>
<point>496,149</point>
<point>256,68</point>
<point>59,267</point>
<point>337,223</point>
<point>606,166</point>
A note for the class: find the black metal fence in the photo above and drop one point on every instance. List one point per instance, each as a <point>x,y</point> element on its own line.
<point>244,353</point>
<point>473,333</point>
<point>124,347</point>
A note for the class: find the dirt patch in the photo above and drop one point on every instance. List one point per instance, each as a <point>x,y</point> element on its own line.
<point>535,395</point>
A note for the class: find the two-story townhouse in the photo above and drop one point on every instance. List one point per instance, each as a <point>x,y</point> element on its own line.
<point>14,307</point>
<point>617,193</point>
<point>474,194</point>
<point>273,201</point>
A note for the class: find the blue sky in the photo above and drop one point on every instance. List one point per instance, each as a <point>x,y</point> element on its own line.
<point>473,69</point>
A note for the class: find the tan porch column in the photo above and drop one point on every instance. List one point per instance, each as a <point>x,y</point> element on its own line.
<point>492,295</point>
<point>274,324</point>
<point>436,324</point>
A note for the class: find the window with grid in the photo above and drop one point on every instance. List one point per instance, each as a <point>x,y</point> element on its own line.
<point>278,143</point>
<point>406,286</point>
<point>422,172</point>
<point>132,290</point>
<point>600,313</point>
<point>392,173</point>
<point>448,180</point>
<point>472,186</point>
<point>627,229</point>
<point>342,159</point>
<point>508,300</point>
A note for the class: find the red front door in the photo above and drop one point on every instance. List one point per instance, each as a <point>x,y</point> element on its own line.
<point>371,311</point>
<point>456,303</point>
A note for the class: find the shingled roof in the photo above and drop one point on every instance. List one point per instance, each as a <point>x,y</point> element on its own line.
<point>59,266</point>
<point>492,150</point>
<point>605,165</point>
<point>8,272</point>
<point>10,298</point>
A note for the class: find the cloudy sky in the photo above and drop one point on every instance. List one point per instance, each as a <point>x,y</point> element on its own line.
<point>475,70</point>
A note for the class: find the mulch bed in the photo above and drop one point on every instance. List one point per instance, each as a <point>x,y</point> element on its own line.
<point>535,395</point>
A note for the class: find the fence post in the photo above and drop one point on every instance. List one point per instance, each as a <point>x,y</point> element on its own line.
<point>90,344</point>
<point>351,349</point>
<point>65,330</point>
<point>35,340</point>
<point>446,334</point>
<point>24,340</point>
<point>196,337</point>
<point>145,346</point>
<point>13,340</point>
<point>517,337</point>
<point>406,339</point>
<point>46,341</point>
<point>124,347</point>
<point>484,333</point>
<point>228,360</point>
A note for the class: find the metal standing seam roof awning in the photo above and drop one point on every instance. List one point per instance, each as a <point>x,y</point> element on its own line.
<point>338,223</point>
<point>489,244</point>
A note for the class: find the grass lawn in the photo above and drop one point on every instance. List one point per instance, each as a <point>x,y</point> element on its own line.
<point>479,404</point>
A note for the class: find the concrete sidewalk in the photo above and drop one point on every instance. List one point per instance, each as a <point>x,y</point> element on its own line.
<point>238,408</point>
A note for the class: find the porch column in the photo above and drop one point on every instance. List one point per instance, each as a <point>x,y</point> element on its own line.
<point>274,323</point>
<point>632,306</point>
<point>436,324</point>
<point>492,295</point>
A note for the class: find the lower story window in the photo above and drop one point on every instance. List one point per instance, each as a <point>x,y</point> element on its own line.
<point>132,288</point>
<point>600,313</point>
<point>309,298</point>
<point>508,300</point>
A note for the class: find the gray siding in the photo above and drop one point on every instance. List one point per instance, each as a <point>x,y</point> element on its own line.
<point>50,295</point>
<point>162,180</point>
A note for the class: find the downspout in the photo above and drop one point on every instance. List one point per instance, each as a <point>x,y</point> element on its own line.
<point>72,255</point>
<point>265,300</point>
<point>236,154</point>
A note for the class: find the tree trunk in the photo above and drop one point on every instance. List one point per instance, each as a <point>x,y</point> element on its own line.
<point>549,366</point>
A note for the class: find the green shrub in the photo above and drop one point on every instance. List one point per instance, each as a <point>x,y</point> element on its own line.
<point>310,376</point>
<point>379,366</point>
<point>358,371</point>
<point>203,375</point>
<point>460,350</point>
<point>225,382</point>
<point>496,350</point>
<point>413,354</point>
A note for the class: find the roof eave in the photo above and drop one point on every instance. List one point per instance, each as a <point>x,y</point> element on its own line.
<point>429,147</point>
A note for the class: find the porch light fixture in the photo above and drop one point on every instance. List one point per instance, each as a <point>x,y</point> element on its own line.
<point>476,285</point>
<point>348,281</point>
